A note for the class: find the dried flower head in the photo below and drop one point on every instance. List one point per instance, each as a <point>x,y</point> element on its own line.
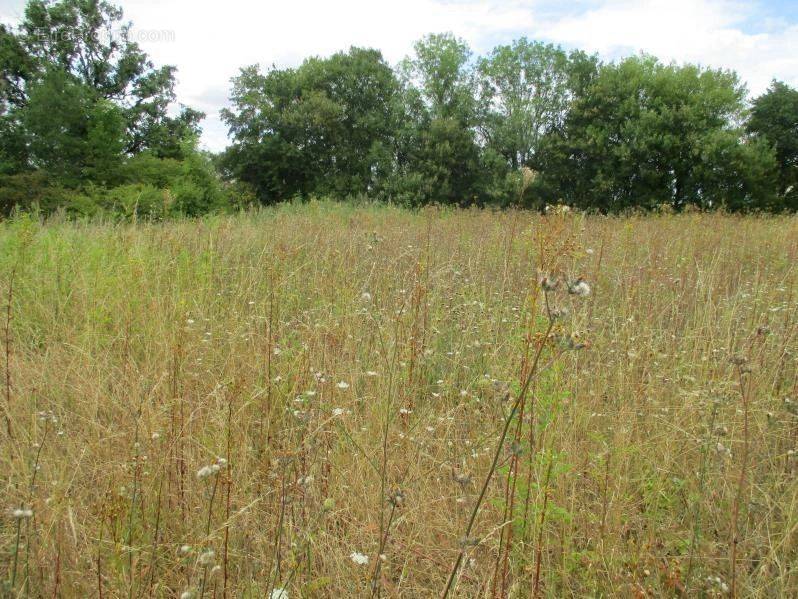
<point>361,559</point>
<point>580,288</point>
<point>396,498</point>
<point>21,513</point>
<point>549,283</point>
<point>206,557</point>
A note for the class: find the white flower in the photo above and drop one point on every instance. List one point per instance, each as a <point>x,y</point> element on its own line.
<point>372,373</point>
<point>338,412</point>
<point>343,385</point>
<point>207,471</point>
<point>579,287</point>
<point>359,558</point>
<point>187,595</point>
<point>405,411</point>
<point>365,296</point>
<point>278,593</point>
<point>21,513</point>
<point>206,558</point>
<point>185,549</point>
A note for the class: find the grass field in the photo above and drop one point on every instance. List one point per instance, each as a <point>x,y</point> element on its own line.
<point>312,399</point>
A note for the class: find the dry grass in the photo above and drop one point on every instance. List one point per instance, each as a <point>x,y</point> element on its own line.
<point>137,355</point>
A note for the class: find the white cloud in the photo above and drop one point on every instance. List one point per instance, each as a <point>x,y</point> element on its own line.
<point>709,32</point>
<point>212,40</point>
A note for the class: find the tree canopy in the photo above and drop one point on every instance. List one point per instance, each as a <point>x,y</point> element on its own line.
<point>528,123</point>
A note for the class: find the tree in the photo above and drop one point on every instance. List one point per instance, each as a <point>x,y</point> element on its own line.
<point>774,119</point>
<point>323,128</point>
<point>525,95</point>
<point>645,134</point>
<point>81,49</point>
<point>438,157</point>
<point>70,134</point>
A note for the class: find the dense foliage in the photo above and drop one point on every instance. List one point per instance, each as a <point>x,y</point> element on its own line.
<point>86,125</point>
<point>85,121</point>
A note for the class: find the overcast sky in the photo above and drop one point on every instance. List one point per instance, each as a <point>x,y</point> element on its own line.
<point>209,40</point>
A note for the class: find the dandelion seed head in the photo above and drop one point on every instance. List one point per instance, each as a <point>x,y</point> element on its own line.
<point>580,288</point>
<point>21,513</point>
<point>207,471</point>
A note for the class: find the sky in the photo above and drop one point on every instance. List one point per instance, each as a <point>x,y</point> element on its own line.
<point>210,40</point>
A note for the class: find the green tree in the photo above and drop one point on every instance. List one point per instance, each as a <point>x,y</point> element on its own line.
<point>774,119</point>
<point>438,156</point>
<point>76,94</point>
<point>645,134</point>
<point>323,128</point>
<point>525,94</point>
<point>70,134</point>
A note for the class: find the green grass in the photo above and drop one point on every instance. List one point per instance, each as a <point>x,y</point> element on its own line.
<point>228,337</point>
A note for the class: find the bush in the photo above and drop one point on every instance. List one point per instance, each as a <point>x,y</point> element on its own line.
<point>150,170</point>
<point>31,191</point>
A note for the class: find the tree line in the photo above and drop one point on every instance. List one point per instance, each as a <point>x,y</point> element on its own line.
<point>86,126</point>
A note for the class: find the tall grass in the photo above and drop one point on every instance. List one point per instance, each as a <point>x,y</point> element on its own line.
<point>351,373</point>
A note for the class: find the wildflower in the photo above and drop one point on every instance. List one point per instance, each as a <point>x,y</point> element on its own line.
<point>359,558</point>
<point>365,296</point>
<point>184,549</point>
<point>278,593</point>
<point>722,450</point>
<point>21,513</point>
<point>461,479</point>
<point>559,313</point>
<point>206,558</point>
<point>405,411</point>
<point>579,287</point>
<point>207,471</point>
<point>338,412</point>
<point>548,283</point>
<point>187,595</point>
<point>396,498</point>
<point>372,373</point>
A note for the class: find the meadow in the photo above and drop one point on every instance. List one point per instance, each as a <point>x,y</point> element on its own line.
<point>327,400</point>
